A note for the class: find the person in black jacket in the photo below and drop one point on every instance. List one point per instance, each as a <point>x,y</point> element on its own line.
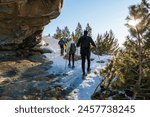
<point>85,44</point>
<point>61,44</point>
<point>71,49</point>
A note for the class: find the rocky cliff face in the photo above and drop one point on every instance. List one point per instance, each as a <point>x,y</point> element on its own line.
<point>22,23</point>
<point>22,66</point>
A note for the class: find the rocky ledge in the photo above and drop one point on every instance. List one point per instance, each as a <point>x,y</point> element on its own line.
<point>23,67</point>
<point>22,23</point>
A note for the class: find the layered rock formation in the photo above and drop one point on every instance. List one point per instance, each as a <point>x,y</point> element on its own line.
<point>22,23</point>
<point>23,68</point>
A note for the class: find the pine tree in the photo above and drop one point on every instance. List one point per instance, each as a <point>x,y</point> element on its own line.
<point>73,37</point>
<point>106,44</point>
<point>66,32</point>
<point>78,31</point>
<point>89,29</point>
<point>137,24</point>
<point>127,75</point>
<point>58,33</point>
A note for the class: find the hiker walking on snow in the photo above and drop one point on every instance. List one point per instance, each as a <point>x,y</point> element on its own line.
<point>85,42</point>
<point>61,44</point>
<point>71,49</point>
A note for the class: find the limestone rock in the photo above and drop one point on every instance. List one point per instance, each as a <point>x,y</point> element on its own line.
<point>22,22</point>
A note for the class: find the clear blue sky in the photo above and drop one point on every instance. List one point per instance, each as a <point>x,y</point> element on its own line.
<point>102,15</point>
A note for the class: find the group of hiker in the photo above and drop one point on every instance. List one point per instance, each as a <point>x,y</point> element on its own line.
<point>84,42</point>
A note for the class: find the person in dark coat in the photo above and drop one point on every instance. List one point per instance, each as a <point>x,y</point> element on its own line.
<point>71,49</point>
<point>85,43</point>
<point>61,44</point>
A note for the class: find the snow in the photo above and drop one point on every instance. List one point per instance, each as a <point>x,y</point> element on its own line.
<point>71,80</point>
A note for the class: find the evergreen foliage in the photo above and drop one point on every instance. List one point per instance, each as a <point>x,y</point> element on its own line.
<point>78,32</point>
<point>66,32</point>
<point>89,29</point>
<point>122,76</point>
<point>62,33</point>
<point>58,33</point>
<point>106,44</point>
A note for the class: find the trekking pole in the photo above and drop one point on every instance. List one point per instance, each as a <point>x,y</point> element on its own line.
<point>66,64</point>
<point>77,54</point>
<point>99,57</point>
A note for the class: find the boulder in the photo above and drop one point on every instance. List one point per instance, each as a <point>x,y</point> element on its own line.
<point>22,23</point>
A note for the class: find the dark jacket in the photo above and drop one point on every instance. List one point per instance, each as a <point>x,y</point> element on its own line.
<point>61,43</point>
<point>85,43</point>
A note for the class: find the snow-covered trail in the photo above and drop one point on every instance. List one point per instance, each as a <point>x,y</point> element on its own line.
<point>71,79</point>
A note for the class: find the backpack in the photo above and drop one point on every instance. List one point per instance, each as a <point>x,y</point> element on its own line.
<point>65,40</point>
<point>85,43</point>
<point>72,48</point>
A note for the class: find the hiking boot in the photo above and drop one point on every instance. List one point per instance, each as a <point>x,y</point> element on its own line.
<point>83,74</point>
<point>89,70</point>
<point>73,67</point>
<point>69,65</point>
